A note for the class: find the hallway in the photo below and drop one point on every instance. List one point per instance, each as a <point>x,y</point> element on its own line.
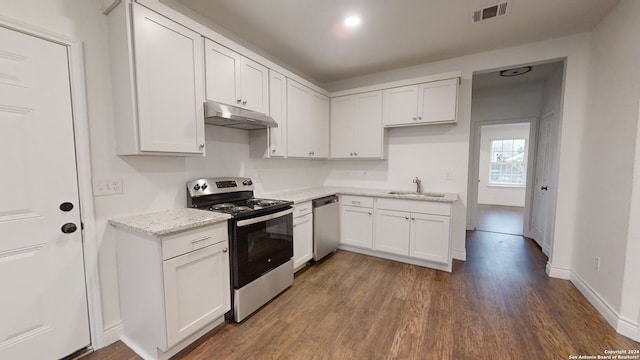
<point>500,219</point>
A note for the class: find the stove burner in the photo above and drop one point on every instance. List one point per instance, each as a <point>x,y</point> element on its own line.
<point>238,209</point>
<point>225,206</point>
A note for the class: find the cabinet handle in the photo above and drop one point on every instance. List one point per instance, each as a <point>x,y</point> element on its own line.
<point>201,239</point>
<point>225,250</point>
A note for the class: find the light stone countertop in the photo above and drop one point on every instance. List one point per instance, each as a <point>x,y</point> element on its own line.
<point>170,221</point>
<point>302,195</point>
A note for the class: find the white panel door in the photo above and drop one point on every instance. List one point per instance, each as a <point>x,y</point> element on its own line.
<point>430,237</point>
<point>302,240</point>
<point>222,71</point>
<point>343,127</point>
<point>43,311</point>
<point>196,290</point>
<point>437,101</point>
<point>278,111</point>
<point>392,231</point>
<point>169,76</point>
<point>299,130</point>
<point>255,86</point>
<point>356,225</point>
<point>369,128</point>
<point>400,105</point>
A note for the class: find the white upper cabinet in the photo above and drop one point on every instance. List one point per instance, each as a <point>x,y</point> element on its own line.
<point>356,126</point>
<point>278,111</point>
<point>307,122</point>
<point>235,80</point>
<point>158,83</point>
<point>428,103</point>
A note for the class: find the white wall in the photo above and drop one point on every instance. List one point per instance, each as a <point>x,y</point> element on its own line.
<point>519,101</point>
<point>607,163</point>
<point>432,151</point>
<point>493,194</point>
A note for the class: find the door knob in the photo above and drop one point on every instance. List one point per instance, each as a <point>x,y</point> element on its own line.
<point>66,206</point>
<point>544,188</point>
<point>69,228</point>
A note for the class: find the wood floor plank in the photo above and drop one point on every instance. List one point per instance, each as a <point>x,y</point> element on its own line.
<point>499,304</point>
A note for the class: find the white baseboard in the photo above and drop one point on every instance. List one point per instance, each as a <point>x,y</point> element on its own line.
<point>459,254</point>
<point>596,300</point>
<point>628,328</point>
<point>558,272</point>
<point>112,333</point>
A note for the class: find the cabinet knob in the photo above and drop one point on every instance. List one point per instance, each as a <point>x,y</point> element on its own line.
<point>273,151</point>
<point>239,101</point>
<point>350,154</point>
<point>69,228</point>
<point>413,218</point>
<point>414,118</point>
<point>419,117</point>
<point>244,102</point>
<point>370,213</point>
<point>406,218</point>
<point>355,154</point>
<point>201,146</point>
<point>225,250</point>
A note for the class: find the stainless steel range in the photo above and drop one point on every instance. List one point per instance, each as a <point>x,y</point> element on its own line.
<point>260,237</point>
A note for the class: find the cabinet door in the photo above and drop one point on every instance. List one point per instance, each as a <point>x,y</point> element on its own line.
<point>368,131</point>
<point>255,86</point>
<point>168,63</point>
<point>319,134</point>
<point>438,101</point>
<point>356,225</point>
<point>392,231</point>
<point>400,105</point>
<point>343,127</point>
<point>278,111</point>
<point>430,237</point>
<point>222,74</point>
<point>196,290</point>
<point>298,119</point>
<point>302,240</point>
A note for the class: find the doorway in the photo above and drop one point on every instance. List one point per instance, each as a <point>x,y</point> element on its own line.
<point>512,176</point>
<point>502,175</point>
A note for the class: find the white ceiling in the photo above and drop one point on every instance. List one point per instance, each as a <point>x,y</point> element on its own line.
<point>309,36</point>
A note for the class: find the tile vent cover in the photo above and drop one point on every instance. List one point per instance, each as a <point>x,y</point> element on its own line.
<point>491,11</point>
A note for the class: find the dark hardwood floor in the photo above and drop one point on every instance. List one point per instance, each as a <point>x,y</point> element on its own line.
<point>499,304</point>
<point>500,219</point>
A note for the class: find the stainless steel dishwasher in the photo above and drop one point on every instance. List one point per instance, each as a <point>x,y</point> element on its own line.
<point>326,229</point>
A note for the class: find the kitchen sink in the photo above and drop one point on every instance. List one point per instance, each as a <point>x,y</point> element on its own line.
<point>427,194</point>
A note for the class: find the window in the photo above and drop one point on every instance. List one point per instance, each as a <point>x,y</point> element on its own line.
<point>508,162</point>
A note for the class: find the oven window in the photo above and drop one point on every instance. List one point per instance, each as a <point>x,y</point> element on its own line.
<point>261,247</point>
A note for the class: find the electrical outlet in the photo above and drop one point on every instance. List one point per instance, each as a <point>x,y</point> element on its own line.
<point>107,187</point>
<point>597,263</point>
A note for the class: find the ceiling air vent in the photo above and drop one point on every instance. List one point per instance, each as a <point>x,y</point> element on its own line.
<point>491,11</point>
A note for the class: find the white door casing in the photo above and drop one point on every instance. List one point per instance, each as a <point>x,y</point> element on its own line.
<point>44,309</point>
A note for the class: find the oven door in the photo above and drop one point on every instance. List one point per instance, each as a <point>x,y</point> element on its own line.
<point>260,244</point>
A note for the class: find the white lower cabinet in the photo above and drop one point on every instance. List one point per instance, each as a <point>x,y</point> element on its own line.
<point>302,234</point>
<point>392,232</point>
<point>411,231</point>
<point>356,225</point>
<point>192,290</point>
<point>173,288</point>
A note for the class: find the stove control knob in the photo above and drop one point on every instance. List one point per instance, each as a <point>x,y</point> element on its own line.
<point>196,187</point>
<point>247,182</point>
<point>204,186</point>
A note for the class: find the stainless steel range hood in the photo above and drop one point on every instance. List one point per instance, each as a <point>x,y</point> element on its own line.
<point>234,117</point>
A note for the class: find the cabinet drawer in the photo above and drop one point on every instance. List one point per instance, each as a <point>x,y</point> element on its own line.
<point>302,209</point>
<point>417,206</point>
<point>182,243</point>
<point>360,201</point>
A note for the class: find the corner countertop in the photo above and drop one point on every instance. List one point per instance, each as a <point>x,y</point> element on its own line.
<point>170,221</point>
<point>302,195</point>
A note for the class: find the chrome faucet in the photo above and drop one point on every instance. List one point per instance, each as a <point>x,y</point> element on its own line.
<point>418,183</point>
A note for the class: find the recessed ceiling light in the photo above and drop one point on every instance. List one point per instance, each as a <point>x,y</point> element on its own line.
<point>352,21</point>
<point>515,72</point>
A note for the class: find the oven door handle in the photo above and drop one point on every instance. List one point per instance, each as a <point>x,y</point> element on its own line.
<point>264,218</point>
